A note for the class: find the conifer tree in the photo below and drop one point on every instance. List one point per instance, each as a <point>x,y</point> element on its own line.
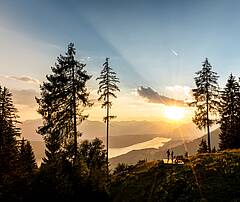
<point>8,133</point>
<point>205,98</point>
<point>214,150</point>
<point>26,157</point>
<point>63,97</point>
<point>203,148</point>
<point>229,111</point>
<point>107,87</point>
<point>94,156</point>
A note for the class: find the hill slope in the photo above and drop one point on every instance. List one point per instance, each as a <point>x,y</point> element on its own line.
<point>206,177</point>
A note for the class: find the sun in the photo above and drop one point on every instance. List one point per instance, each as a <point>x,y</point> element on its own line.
<point>174,113</point>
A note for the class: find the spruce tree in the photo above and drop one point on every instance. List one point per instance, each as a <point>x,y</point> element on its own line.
<point>63,97</point>
<point>26,157</point>
<point>203,148</point>
<point>8,133</point>
<point>107,87</point>
<point>205,98</point>
<point>229,111</point>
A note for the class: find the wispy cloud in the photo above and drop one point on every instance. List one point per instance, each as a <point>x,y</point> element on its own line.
<point>154,97</point>
<point>26,79</point>
<point>179,91</point>
<point>86,59</point>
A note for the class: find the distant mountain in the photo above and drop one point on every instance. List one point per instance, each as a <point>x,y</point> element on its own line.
<point>29,128</point>
<point>92,129</point>
<point>123,134</point>
<point>179,147</point>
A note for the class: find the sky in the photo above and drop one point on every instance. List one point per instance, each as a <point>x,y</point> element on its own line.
<point>155,47</point>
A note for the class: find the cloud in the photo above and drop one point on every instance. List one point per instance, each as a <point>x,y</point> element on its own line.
<point>154,97</point>
<point>179,91</point>
<point>86,59</point>
<point>26,79</point>
<point>24,97</point>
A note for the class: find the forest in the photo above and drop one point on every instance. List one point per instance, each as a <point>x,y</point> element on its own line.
<point>75,170</point>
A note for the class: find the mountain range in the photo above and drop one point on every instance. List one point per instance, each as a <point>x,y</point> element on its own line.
<point>125,134</point>
<point>136,129</point>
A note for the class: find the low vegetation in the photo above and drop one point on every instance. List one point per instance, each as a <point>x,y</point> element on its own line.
<point>205,177</point>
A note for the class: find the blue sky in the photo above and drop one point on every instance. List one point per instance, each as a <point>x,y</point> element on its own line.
<point>157,44</point>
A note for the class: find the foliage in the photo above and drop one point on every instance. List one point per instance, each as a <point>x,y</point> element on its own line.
<point>205,98</point>
<point>62,97</point>
<point>8,144</point>
<point>121,168</point>
<point>26,158</point>
<point>107,87</point>
<point>203,148</point>
<point>107,84</point>
<point>93,155</point>
<point>8,133</point>
<point>229,111</point>
<point>204,178</point>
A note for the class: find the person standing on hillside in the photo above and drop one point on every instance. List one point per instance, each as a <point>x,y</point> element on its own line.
<point>172,156</point>
<point>168,155</point>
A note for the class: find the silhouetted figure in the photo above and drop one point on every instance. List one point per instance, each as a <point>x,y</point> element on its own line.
<point>172,156</point>
<point>168,155</point>
<point>186,155</point>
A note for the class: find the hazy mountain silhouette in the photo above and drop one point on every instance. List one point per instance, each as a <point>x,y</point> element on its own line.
<point>151,129</point>
<point>123,134</point>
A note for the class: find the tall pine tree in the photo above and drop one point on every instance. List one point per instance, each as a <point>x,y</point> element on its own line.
<point>8,133</point>
<point>26,157</point>
<point>205,98</point>
<point>107,87</point>
<point>229,111</point>
<point>63,97</point>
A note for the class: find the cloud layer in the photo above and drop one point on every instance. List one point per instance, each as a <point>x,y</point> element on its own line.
<point>26,79</point>
<point>154,97</point>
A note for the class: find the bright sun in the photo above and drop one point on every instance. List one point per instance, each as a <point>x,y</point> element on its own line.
<point>174,113</point>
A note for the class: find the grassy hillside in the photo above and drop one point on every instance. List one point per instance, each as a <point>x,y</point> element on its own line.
<point>206,177</point>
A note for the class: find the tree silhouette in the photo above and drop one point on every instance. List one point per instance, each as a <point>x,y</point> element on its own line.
<point>8,133</point>
<point>107,88</point>
<point>205,98</point>
<point>26,157</point>
<point>61,104</point>
<point>214,150</point>
<point>203,148</point>
<point>93,154</point>
<point>229,111</point>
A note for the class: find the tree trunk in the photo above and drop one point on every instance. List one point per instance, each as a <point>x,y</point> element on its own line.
<point>74,117</point>
<point>208,128</point>
<point>107,112</point>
